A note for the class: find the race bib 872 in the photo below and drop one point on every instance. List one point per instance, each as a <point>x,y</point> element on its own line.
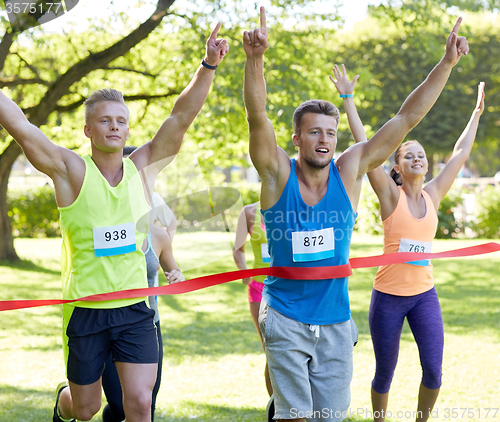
<point>114,240</point>
<point>313,245</point>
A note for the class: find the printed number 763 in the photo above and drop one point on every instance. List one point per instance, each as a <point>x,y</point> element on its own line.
<point>417,248</point>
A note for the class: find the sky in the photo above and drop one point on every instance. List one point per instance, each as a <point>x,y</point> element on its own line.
<point>352,11</point>
<point>355,10</point>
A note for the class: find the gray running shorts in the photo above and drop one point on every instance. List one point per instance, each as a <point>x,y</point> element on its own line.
<point>310,366</point>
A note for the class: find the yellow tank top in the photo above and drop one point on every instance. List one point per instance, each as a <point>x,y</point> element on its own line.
<point>405,233</point>
<point>103,231</point>
<point>258,241</point>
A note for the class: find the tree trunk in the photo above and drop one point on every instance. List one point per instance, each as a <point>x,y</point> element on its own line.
<point>227,173</point>
<point>7,158</point>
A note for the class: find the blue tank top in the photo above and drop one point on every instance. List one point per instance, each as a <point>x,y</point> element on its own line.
<point>327,225</point>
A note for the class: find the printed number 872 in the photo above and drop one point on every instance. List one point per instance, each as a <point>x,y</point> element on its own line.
<point>314,240</point>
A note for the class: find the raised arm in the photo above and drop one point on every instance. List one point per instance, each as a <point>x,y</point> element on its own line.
<point>266,155</point>
<point>415,107</point>
<point>345,89</point>
<point>382,184</point>
<point>167,141</point>
<point>441,184</point>
<point>44,155</point>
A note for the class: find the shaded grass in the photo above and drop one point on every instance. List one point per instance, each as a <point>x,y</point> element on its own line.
<point>22,403</point>
<point>214,363</point>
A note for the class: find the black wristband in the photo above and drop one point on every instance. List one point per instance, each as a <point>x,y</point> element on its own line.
<point>205,64</point>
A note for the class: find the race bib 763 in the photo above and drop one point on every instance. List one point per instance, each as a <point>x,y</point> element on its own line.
<point>407,245</point>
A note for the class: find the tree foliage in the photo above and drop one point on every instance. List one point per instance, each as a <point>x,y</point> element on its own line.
<point>49,76</point>
<point>397,63</point>
<point>412,14</point>
<point>52,74</point>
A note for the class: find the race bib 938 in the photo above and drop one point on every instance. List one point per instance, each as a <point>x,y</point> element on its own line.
<point>114,240</point>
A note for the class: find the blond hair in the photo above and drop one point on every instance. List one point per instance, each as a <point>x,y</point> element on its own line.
<point>100,96</point>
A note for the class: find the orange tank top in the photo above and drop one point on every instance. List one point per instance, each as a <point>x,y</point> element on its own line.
<point>405,233</point>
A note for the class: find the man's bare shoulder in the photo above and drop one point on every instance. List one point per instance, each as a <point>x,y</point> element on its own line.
<point>71,158</point>
<point>274,184</point>
<point>351,154</point>
<point>141,157</point>
<point>284,166</point>
<point>68,177</point>
<point>348,165</point>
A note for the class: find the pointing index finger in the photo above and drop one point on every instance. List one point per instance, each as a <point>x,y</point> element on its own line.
<point>457,25</point>
<point>263,18</point>
<point>213,35</point>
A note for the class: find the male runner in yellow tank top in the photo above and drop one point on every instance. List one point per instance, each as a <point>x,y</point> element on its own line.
<point>101,199</point>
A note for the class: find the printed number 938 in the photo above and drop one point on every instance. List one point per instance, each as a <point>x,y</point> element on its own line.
<point>115,235</point>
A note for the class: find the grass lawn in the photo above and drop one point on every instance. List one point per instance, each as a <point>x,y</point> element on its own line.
<point>213,365</point>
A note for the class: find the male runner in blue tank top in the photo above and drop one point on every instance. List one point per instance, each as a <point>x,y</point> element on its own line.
<point>309,208</point>
<point>94,182</point>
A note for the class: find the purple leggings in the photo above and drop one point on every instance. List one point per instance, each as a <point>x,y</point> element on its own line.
<point>386,317</point>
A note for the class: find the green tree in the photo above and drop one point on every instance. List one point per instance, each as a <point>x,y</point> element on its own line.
<point>397,61</point>
<point>297,66</point>
<point>50,76</point>
<point>45,76</point>
<point>419,13</point>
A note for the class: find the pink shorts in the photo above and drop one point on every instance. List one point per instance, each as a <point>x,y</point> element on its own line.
<point>255,291</point>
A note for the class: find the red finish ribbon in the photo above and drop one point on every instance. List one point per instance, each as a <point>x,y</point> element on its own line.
<point>293,273</point>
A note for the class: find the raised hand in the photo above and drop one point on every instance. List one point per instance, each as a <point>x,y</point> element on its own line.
<point>255,42</point>
<point>342,83</point>
<point>217,48</point>
<point>480,98</point>
<point>456,46</point>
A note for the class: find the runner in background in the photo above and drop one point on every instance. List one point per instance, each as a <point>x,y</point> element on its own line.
<point>250,223</point>
<point>409,214</point>
<point>158,252</point>
<point>160,211</point>
<point>157,249</point>
<point>163,214</point>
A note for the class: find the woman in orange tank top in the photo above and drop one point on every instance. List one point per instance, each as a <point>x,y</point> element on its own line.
<point>409,213</point>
